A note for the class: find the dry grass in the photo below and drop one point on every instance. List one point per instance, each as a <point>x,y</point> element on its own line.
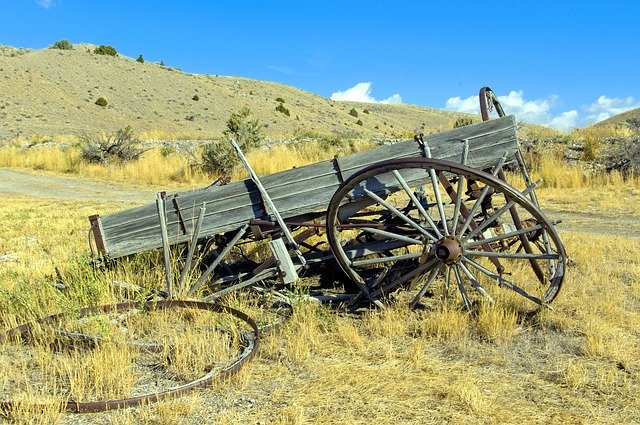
<point>577,363</point>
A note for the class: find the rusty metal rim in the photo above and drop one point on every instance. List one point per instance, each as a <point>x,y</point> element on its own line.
<point>249,351</point>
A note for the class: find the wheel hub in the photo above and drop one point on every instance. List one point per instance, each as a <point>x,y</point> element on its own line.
<point>449,250</point>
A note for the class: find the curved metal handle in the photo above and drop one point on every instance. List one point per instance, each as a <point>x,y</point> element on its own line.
<point>488,100</point>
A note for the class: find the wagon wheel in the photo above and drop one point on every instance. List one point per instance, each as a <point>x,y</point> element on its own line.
<point>407,222</point>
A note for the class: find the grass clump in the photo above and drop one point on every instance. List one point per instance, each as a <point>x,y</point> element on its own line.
<point>353,112</point>
<point>101,101</point>
<point>140,58</point>
<point>122,146</point>
<point>463,121</point>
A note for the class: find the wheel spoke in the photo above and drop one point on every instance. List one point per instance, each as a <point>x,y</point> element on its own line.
<point>391,235</point>
<point>503,236</point>
<point>517,256</point>
<point>382,260</point>
<point>399,214</point>
<point>496,169</point>
<point>423,290</point>
<point>461,288</point>
<point>405,278</point>
<point>493,217</point>
<point>417,203</point>
<point>503,281</point>
<point>436,192</point>
<point>476,284</point>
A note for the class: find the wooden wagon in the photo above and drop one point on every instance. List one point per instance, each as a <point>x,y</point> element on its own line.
<point>417,217</point>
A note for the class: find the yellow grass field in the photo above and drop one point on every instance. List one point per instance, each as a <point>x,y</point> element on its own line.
<point>578,362</point>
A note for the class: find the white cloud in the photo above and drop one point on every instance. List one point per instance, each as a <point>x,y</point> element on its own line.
<point>514,103</point>
<point>606,107</point>
<point>361,92</point>
<point>540,111</point>
<point>46,3</point>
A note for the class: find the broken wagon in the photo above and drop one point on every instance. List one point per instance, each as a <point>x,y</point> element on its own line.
<point>453,211</point>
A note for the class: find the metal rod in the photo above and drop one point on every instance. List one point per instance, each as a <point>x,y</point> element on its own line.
<point>194,241</point>
<point>165,245</point>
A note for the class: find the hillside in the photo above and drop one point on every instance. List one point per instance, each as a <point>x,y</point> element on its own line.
<point>630,119</point>
<point>53,92</point>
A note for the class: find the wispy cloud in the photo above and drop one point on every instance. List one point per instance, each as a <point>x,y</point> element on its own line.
<point>361,92</point>
<point>541,111</point>
<point>46,3</point>
<point>281,69</point>
<point>605,107</point>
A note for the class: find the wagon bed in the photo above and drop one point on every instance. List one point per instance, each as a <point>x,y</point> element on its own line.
<point>296,192</point>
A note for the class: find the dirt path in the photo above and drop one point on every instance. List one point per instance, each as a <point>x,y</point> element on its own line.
<point>14,182</point>
<point>66,188</point>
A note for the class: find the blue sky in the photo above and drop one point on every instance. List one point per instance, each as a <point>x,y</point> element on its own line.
<point>561,63</point>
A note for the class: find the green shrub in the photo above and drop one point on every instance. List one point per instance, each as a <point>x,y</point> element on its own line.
<point>279,99</point>
<point>463,121</point>
<point>101,102</point>
<point>195,97</point>
<point>366,111</point>
<point>105,50</point>
<point>219,157</point>
<point>247,132</point>
<point>353,112</point>
<point>62,45</point>
<point>140,58</point>
<point>359,122</point>
<point>281,108</point>
<point>122,146</point>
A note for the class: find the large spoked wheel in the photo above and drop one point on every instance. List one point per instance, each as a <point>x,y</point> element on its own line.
<point>427,225</point>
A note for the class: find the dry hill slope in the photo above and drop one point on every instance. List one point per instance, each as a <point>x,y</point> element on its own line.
<point>630,119</point>
<point>53,92</point>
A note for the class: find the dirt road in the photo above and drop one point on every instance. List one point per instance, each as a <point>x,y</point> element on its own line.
<point>67,188</point>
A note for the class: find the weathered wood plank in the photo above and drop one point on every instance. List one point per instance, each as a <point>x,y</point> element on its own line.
<point>295,192</point>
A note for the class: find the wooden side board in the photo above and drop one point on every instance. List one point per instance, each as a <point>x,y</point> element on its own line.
<point>294,192</point>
